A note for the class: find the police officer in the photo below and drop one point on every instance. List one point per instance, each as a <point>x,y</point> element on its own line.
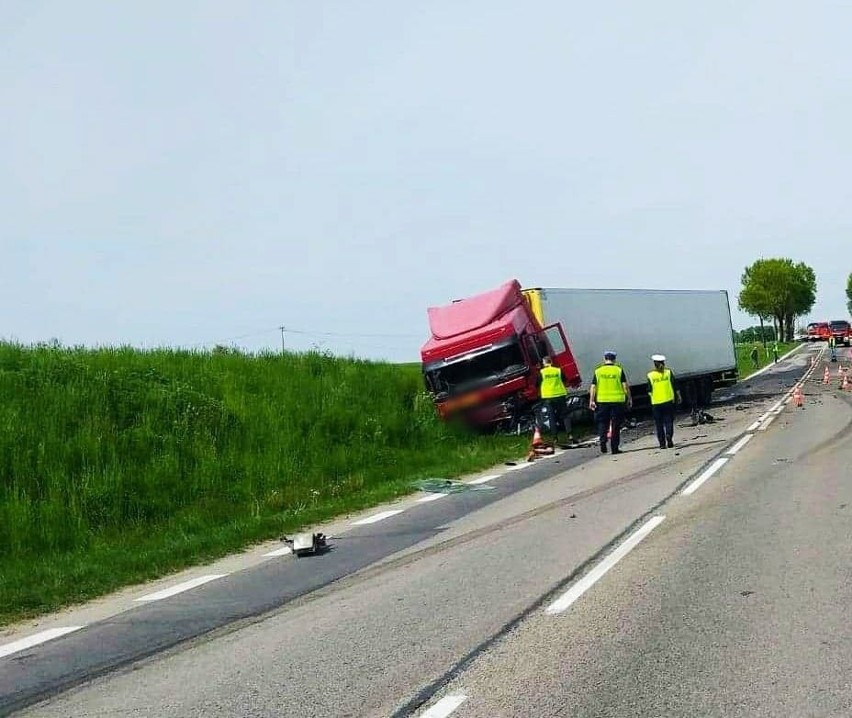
<point>663,392</point>
<point>555,396</point>
<point>609,398</point>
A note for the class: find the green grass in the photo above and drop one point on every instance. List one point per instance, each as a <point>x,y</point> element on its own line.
<point>119,465</point>
<point>744,362</point>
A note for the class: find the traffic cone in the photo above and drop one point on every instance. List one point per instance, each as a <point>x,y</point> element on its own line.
<point>798,397</point>
<point>537,440</point>
<point>826,377</point>
<point>844,385</point>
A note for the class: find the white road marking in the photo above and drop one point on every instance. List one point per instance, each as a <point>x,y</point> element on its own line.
<point>430,497</point>
<point>484,479</point>
<point>584,584</point>
<point>279,552</point>
<point>445,706</point>
<point>740,444</point>
<point>706,474</point>
<point>181,587</point>
<point>519,466</point>
<point>377,517</point>
<point>754,426</point>
<point>35,639</point>
<point>765,425</point>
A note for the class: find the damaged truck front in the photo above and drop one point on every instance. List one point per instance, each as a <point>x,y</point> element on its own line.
<point>482,362</point>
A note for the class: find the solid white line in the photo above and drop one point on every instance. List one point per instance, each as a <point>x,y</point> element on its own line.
<point>279,552</point>
<point>181,587</point>
<point>430,497</point>
<point>706,474</point>
<point>740,444</point>
<point>377,517</point>
<point>484,479</point>
<point>754,426</point>
<point>445,706</point>
<point>584,584</point>
<point>35,639</point>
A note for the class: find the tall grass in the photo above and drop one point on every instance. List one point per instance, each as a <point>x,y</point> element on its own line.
<point>745,366</point>
<point>118,465</point>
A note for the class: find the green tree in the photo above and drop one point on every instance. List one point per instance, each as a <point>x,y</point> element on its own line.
<point>849,293</point>
<point>779,289</point>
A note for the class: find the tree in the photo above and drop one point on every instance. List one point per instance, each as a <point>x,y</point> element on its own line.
<point>849,293</point>
<point>778,289</point>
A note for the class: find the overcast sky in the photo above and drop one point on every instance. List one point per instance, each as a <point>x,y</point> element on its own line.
<point>198,172</point>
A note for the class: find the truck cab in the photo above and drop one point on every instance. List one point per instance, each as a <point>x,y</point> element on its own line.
<point>841,330</point>
<point>482,361</point>
<point>818,332</point>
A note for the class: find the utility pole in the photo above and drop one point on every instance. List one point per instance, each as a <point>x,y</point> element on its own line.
<point>283,350</point>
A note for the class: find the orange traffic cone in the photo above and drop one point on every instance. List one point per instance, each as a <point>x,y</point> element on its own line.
<point>537,440</point>
<point>798,397</point>
<point>844,385</point>
<point>826,377</point>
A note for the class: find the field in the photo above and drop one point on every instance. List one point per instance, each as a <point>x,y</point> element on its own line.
<point>119,465</point>
<point>764,356</point>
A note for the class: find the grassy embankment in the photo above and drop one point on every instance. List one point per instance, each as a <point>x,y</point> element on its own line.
<point>117,465</point>
<point>764,356</point>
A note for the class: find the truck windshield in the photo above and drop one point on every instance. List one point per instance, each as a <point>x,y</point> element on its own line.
<point>839,326</point>
<point>501,362</point>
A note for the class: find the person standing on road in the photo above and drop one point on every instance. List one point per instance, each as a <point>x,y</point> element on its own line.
<point>609,398</point>
<point>775,351</point>
<point>554,395</point>
<point>663,391</point>
<point>832,345</point>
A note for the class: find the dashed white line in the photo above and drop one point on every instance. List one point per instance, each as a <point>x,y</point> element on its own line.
<point>740,444</point>
<point>515,467</point>
<point>430,497</point>
<point>584,584</point>
<point>706,474</point>
<point>765,424</point>
<point>484,479</point>
<point>181,587</point>
<point>445,706</point>
<point>36,639</point>
<point>377,517</point>
<point>754,426</point>
<point>279,552</point>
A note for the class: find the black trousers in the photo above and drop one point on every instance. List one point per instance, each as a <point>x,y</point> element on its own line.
<point>664,415</point>
<point>559,415</point>
<point>605,413</point>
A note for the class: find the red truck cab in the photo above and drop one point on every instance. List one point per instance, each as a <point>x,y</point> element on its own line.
<point>818,332</point>
<point>841,330</point>
<point>482,361</point>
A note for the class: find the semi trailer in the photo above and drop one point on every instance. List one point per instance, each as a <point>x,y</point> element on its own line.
<point>482,361</point>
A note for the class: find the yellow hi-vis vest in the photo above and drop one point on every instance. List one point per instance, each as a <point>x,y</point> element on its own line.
<point>662,389</point>
<point>608,379</point>
<point>551,383</point>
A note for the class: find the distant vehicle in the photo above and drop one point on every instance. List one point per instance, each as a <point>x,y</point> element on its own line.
<point>818,332</point>
<point>483,359</point>
<point>841,330</point>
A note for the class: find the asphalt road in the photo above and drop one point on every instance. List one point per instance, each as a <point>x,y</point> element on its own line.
<point>447,601</point>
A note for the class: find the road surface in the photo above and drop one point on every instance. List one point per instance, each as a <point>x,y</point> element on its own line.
<point>707,580</point>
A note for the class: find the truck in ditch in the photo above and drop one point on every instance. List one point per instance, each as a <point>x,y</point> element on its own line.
<point>482,361</point>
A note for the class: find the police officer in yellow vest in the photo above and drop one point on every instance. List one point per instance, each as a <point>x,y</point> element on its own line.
<point>555,396</point>
<point>609,398</point>
<point>662,389</point>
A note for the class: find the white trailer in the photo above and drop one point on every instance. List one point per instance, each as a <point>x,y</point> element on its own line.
<point>691,328</point>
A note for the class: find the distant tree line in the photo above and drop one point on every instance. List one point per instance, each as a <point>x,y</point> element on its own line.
<point>766,333</point>
<point>778,291</point>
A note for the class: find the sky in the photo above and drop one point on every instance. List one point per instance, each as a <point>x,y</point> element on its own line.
<point>202,172</point>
